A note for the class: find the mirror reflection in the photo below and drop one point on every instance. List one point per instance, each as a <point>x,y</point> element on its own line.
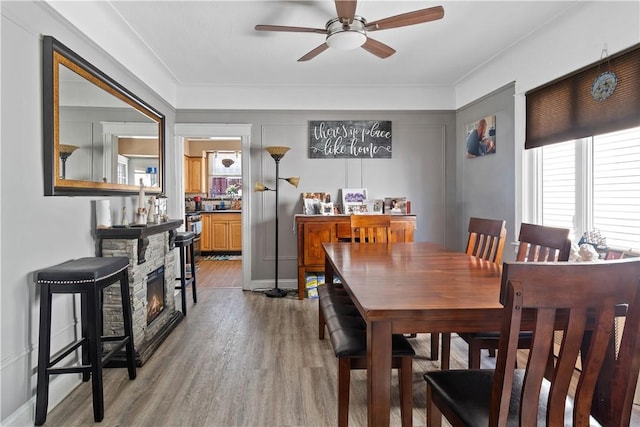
<point>101,139</point>
<point>114,143</point>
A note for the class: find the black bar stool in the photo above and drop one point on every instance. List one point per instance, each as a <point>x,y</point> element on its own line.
<point>184,242</point>
<point>87,276</point>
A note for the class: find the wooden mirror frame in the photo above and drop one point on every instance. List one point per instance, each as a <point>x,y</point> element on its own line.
<point>55,53</point>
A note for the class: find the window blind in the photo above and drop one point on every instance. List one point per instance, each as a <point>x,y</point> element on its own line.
<point>564,109</point>
<point>616,187</point>
<point>559,185</point>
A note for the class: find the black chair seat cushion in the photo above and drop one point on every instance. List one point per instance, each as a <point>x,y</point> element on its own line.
<point>468,395</point>
<point>329,310</point>
<point>331,290</point>
<point>184,238</point>
<point>348,342</point>
<point>83,270</point>
<point>345,321</point>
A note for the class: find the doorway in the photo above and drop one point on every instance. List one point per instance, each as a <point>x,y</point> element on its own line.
<point>236,271</point>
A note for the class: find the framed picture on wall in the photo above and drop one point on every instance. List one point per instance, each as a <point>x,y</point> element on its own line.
<point>481,137</point>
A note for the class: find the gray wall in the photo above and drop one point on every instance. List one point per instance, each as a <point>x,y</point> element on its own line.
<point>421,168</point>
<point>486,185</point>
<point>38,231</point>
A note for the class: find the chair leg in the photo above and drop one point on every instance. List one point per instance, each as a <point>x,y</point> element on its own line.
<point>193,274</point>
<point>405,379</point>
<point>95,351</point>
<point>344,381</point>
<point>183,285</point>
<point>435,341</point>
<point>84,313</point>
<point>474,355</point>
<point>434,416</point>
<point>42,390</point>
<point>446,351</point>
<point>321,322</point>
<point>128,324</point>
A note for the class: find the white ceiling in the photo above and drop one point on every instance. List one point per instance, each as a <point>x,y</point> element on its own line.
<point>214,42</point>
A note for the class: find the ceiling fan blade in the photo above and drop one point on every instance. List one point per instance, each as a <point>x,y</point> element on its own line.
<point>290,29</point>
<point>409,18</point>
<point>315,52</point>
<point>379,49</point>
<point>346,10</point>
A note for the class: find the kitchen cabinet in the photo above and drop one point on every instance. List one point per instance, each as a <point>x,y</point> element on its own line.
<point>221,232</point>
<point>194,175</point>
<point>314,230</point>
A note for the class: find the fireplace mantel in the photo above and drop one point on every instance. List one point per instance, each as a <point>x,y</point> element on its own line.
<point>133,232</point>
<point>141,234</point>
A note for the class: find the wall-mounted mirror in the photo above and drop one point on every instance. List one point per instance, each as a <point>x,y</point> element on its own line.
<point>99,138</point>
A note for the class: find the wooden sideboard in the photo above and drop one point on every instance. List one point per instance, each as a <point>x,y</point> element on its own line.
<point>314,230</point>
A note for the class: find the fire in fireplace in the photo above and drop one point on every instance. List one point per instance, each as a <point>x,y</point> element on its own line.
<point>155,294</point>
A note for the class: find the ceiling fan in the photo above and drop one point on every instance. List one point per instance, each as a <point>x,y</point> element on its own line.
<point>349,31</point>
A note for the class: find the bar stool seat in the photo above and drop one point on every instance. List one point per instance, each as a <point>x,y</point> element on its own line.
<point>88,277</point>
<point>184,242</point>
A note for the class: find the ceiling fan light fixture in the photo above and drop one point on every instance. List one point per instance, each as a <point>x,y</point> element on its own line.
<point>346,37</point>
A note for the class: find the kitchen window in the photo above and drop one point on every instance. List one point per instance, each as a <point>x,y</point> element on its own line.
<point>592,183</point>
<point>224,173</point>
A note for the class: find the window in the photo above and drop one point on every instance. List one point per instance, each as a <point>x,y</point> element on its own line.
<point>224,176</point>
<point>593,183</point>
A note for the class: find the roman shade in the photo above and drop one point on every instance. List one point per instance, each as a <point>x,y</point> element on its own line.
<point>564,109</point>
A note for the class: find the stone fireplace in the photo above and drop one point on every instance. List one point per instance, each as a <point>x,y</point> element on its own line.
<point>151,285</point>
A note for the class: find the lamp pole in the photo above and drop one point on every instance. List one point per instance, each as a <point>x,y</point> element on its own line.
<point>277,292</point>
<point>277,153</point>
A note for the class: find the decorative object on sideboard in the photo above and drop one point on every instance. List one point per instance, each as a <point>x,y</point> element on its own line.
<point>352,199</point>
<point>277,153</point>
<point>65,151</point>
<point>227,162</point>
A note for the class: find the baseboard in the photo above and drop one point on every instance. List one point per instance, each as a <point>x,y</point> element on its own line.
<point>59,388</point>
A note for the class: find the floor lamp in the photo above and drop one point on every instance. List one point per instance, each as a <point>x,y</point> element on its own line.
<point>65,151</point>
<point>277,153</point>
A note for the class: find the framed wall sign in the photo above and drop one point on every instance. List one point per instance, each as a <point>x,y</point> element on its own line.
<point>350,139</point>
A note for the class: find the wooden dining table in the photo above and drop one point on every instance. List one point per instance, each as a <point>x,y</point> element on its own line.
<point>403,288</point>
<point>411,288</point>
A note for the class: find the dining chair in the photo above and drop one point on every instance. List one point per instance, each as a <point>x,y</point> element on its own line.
<point>486,240</point>
<point>537,243</point>
<point>581,299</point>
<point>371,228</point>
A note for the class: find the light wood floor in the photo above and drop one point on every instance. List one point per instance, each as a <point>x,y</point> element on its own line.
<point>219,274</point>
<point>242,359</point>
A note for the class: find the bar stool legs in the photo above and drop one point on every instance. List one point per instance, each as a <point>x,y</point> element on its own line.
<point>184,242</point>
<point>87,276</point>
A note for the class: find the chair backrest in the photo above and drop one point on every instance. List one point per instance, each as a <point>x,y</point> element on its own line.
<point>585,296</point>
<point>371,228</point>
<point>486,238</point>
<point>539,243</point>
